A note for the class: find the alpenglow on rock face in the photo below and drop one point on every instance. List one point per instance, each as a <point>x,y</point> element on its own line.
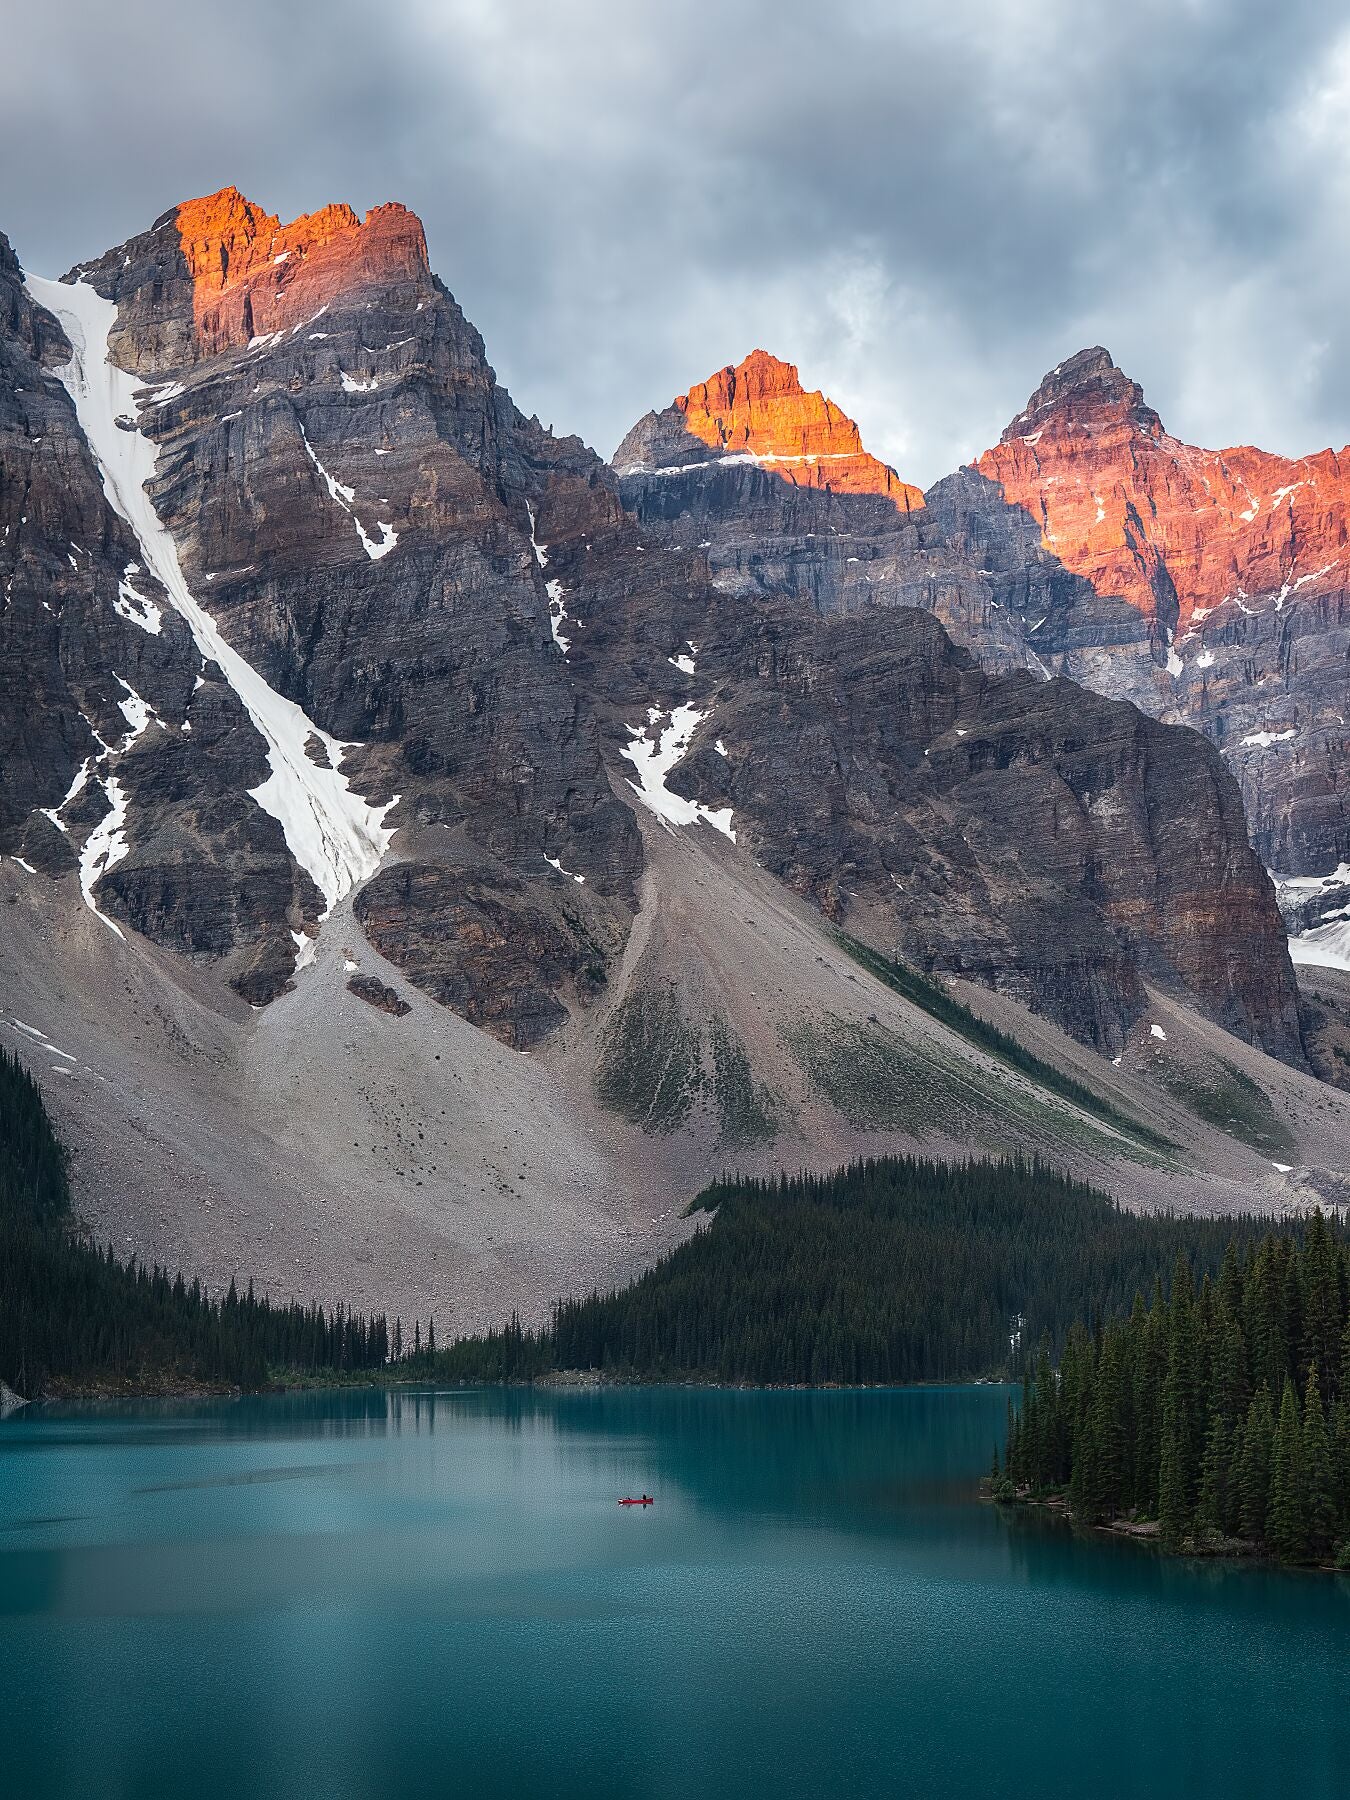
<point>758,412</point>
<point>774,483</point>
<point>487,664</point>
<point>1236,563</point>
<point>230,273</point>
<point>347,495</point>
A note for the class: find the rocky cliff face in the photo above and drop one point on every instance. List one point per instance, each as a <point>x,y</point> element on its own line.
<point>1208,587</point>
<point>350,495</point>
<point>214,274</point>
<point>758,413</point>
<point>774,484</point>
<point>1237,566</point>
<point>1026,834</point>
<point>409,644</point>
<point>127,760</point>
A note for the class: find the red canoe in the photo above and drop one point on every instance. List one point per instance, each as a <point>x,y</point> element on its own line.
<point>646,1500</point>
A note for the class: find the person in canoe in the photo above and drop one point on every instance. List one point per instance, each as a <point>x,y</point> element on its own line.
<point>646,1500</point>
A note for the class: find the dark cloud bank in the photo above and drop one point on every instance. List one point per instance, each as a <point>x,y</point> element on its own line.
<point>925,207</point>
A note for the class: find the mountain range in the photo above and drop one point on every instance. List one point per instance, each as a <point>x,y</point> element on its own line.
<point>430,851</point>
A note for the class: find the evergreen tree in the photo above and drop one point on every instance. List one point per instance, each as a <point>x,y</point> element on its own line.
<point>1219,1459</point>
<point>1178,1466</point>
<point>1174,1475</point>
<point>1323,1302</point>
<point>1258,1450</point>
<point>1150,1373</point>
<point>1319,1472</point>
<point>1214,1511</point>
<point>1107,1424</point>
<point>1229,1390</point>
<point>1287,1523</point>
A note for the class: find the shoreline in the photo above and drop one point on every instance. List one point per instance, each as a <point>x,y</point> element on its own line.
<point>566,1380</point>
<point>1147,1533</point>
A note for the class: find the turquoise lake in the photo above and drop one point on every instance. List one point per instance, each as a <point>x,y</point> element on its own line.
<point>358,1594</point>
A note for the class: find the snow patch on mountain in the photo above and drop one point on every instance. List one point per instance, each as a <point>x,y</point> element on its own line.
<point>135,607</point>
<point>1262,740</point>
<point>346,499</point>
<point>105,846</point>
<point>1324,947</point>
<point>655,759</point>
<point>332,832</point>
<point>557,609</point>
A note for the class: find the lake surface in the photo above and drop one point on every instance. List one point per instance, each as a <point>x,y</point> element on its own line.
<point>358,1594</point>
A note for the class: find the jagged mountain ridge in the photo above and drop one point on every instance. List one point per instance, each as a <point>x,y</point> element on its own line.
<point>1237,563</point>
<point>464,719</point>
<point>757,412</point>
<point>1208,587</point>
<point>562,725</point>
<point>375,529</point>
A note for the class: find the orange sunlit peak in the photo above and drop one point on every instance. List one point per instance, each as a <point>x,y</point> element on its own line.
<point>758,407</point>
<point>251,274</point>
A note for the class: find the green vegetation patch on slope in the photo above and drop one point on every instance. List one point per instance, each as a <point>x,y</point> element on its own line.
<point>650,1068</point>
<point>891,1270</point>
<point>880,1081</point>
<point>745,1109</point>
<point>934,999</point>
<point>71,1316</point>
<point>874,1078</point>
<point>1225,1097</point>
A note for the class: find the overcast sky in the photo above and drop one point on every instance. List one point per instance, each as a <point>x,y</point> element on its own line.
<point>923,206</point>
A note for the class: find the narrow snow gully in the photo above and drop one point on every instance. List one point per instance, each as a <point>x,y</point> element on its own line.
<point>557,610</point>
<point>331,831</point>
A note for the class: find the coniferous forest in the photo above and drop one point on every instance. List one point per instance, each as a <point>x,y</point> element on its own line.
<point>71,1315</point>
<point>893,1270</point>
<point>1220,1411</point>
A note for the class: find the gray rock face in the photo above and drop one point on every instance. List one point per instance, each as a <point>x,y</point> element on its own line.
<point>1023,832</point>
<point>103,693</point>
<point>1211,588</point>
<point>350,495</point>
<point>492,640</point>
<point>1026,834</point>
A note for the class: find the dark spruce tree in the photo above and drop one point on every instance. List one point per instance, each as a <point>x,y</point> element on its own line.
<point>1170,1415</point>
<point>72,1316</point>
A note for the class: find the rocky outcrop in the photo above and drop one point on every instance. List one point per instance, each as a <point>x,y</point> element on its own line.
<point>758,413</point>
<point>995,824</point>
<point>126,761</point>
<point>480,943</point>
<point>219,273</point>
<point>1208,587</point>
<point>838,532</point>
<point>1237,564</point>
<point>1176,531</point>
<point>1057,846</point>
<point>350,495</point>
<point>378,994</point>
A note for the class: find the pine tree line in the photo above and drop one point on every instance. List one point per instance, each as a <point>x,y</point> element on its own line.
<point>71,1313</point>
<point>890,1270</point>
<point>1221,1411</point>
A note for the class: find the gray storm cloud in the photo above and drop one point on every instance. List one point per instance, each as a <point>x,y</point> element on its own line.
<point>924,207</point>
